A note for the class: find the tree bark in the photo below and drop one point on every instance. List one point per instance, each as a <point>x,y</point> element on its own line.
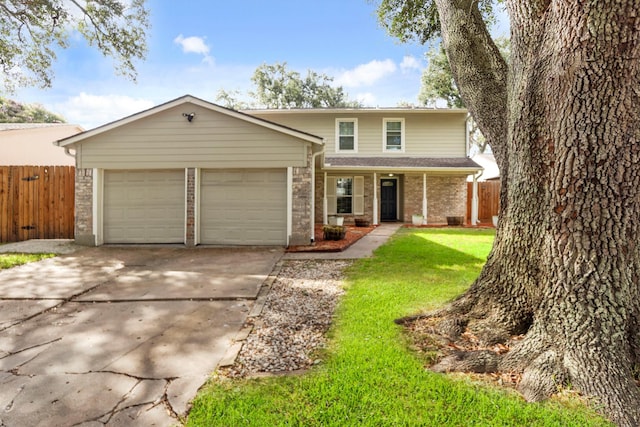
<point>565,264</point>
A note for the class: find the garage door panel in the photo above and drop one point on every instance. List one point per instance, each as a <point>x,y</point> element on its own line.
<point>243,207</point>
<point>144,206</point>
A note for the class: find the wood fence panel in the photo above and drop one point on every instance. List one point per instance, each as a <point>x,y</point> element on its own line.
<point>36,202</point>
<point>488,200</point>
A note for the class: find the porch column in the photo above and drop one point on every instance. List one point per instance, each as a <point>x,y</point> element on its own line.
<point>375,198</point>
<point>474,202</point>
<point>324,201</point>
<point>424,198</point>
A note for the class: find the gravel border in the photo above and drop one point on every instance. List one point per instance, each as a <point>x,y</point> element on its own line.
<point>291,327</point>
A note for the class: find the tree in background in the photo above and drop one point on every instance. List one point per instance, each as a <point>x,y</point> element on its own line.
<point>32,30</point>
<point>15,112</point>
<point>438,84</point>
<point>278,87</point>
<point>563,122</point>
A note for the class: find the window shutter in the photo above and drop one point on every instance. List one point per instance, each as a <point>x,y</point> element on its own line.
<point>358,195</point>
<point>332,205</point>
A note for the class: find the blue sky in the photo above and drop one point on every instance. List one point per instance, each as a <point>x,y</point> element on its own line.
<point>201,46</point>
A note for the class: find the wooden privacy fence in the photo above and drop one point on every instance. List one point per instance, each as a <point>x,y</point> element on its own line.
<point>36,202</point>
<point>488,200</point>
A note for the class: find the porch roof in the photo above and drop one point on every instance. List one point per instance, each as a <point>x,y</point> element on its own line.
<point>425,164</point>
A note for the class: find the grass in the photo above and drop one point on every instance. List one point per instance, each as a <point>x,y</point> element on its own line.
<point>369,376</point>
<point>12,260</point>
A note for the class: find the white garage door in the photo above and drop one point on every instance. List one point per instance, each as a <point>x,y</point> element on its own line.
<point>144,206</point>
<point>243,207</point>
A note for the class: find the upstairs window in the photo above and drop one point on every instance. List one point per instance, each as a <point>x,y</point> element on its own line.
<point>393,134</point>
<point>346,135</point>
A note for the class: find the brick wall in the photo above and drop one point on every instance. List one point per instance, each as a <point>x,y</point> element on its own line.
<point>301,203</point>
<point>191,207</point>
<point>413,193</point>
<point>84,234</point>
<point>446,196</point>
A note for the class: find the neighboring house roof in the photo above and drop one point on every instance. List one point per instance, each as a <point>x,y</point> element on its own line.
<point>488,162</point>
<point>189,99</point>
<point>32,144</point>
<point>461,164</point>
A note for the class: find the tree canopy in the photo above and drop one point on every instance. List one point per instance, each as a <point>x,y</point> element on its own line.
<point>278,87</point>
<point>438,83</point>
<point>31,31</point>
<point>16,112</point>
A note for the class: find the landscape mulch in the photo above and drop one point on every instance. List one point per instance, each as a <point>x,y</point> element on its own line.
<point>352,235</point>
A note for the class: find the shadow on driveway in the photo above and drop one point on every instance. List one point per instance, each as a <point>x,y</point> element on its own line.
<point>119,335</point>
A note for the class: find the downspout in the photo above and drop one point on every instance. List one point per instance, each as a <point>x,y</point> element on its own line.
<point>68,153</point>
<point>313,193</point>
<point>66,149</point>
<point>474,199</point>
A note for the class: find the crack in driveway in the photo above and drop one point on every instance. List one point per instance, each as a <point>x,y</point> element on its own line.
<point>141,343</point>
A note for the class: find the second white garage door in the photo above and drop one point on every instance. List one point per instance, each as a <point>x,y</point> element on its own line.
<point>243,207</point>
<point>144,206</point>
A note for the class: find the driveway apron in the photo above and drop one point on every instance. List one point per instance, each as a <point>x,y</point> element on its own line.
<point>120,336</point>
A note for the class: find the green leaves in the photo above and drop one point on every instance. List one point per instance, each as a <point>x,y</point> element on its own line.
<point>15,112</point>
<point>31,30</point>
<point>278,87</point>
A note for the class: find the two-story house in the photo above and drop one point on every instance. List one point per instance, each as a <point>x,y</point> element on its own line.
<point>189,171</point>
<point>387,164</point>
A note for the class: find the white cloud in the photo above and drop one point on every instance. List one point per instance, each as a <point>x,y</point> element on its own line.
<point>366,74</point>
<point>91,111</point>
<point>195,45</point>
<point>410,63</point>
<point>192,44</point>
<point>367,99</point>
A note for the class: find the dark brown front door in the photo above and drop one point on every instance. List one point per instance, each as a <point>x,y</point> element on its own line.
<point>388,199</point>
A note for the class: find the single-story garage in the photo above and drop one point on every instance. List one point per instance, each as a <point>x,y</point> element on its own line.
<point>193,172</point>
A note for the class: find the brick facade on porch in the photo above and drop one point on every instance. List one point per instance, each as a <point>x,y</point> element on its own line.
<point>84,233</point>
<point>446,196</point>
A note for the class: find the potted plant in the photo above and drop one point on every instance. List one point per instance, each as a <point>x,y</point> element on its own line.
<point>417,219</point>
<point>334,232</point>
<point>336,220</point>
<point>455,220</point>
<point>361,222</point>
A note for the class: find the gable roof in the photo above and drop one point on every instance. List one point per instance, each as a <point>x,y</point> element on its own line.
<point>196,101</point>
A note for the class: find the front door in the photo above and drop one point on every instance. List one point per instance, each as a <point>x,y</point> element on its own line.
<point>388,199</point>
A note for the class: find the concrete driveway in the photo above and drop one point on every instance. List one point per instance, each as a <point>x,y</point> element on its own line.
<point>120,336</point>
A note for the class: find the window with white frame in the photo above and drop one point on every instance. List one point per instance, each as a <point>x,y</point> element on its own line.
<point>344,195</point>
<point>346,135</point>
<point>393,134</point>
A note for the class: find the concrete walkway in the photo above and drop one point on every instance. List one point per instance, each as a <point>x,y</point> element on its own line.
<point>363,248</point>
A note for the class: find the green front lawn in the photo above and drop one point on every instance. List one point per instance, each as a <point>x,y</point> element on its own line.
<point>12,260</point>
<point>369,375</point>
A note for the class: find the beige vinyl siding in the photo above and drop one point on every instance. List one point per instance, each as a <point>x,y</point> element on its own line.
<point>211,140</point>
<point>428,133</point>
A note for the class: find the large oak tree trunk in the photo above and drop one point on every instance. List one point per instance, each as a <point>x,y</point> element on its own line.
<point>565,265</point>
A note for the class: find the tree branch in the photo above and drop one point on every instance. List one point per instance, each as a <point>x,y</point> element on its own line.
<point>479,70</point>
